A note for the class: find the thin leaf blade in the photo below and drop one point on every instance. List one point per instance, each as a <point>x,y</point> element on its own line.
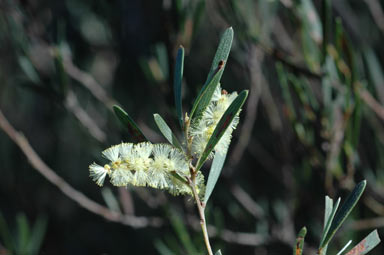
<point>218,65</point>
<point>205,96</point>
<point>330,217</point>
<point>214,174</point>
<point>177,83</point>
<point>37,236</point>
<point>222,52</point>
<point>298,250</point>
<point>366,245</point>
<point>222,126</point>
<point>166,131</point>
<point>344,211</point>
<point>128,123</point>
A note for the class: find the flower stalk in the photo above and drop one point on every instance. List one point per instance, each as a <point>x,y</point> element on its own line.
<point>203,223</point>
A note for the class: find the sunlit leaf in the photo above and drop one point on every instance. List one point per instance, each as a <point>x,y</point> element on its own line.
<point>298,250</point>
<point>366,245</point>
<point>166,131</point>
<point>214,173</point>
<point>344,211</point>
<point>330,211</point>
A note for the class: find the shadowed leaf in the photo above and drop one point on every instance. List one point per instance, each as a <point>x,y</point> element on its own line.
<point>128,123</point>
<point>177,82</point>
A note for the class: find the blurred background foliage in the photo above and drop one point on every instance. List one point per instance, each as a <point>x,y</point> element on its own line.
<point>312,125</point>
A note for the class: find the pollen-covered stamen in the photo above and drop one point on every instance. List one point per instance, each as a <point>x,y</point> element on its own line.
<point>144,164</point>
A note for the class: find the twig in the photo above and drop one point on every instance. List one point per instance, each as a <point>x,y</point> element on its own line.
<point>73,106</point>
<point>241,238</point>
<point>88,81</point>
<point>377,13</point>
<point>246,201</point>
<point>203,223</point>
<point>372,103</point>
<point>39,165</point>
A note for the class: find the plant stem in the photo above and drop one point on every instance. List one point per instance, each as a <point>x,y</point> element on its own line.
<point>203,223</point>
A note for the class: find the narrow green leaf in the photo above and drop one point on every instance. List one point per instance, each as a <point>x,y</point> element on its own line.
<point>128,123</point>
<point>217,68</point>
<point>218,252</point>
<point>298,250</point>
<point>178,177</point>
<point>222,53</point>
<point>214,173</point>
<point>23,232</point>
<point>182,233</point>
<point>166,131</point>
<point>37,235</point>
<point>205,96</point>
<point>344,211</point>
<point>177,82</point>
<point>366,245</point>
<point>222,126</point>
<point>162,248</point>
<point>330,211</point>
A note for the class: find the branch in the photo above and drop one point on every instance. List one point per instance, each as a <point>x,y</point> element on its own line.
<point>88,81</point>
<point>371,102</point>
<point>72,104</point>
<point>39,165</point>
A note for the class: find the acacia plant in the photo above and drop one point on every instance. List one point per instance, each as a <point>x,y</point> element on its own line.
<point>176,167</point>
<point>206,134</point>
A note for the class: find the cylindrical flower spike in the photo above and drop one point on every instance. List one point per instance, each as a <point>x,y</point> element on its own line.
<point>146,164</point>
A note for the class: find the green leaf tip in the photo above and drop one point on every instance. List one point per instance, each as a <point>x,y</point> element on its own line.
<point>129,124</point>
<point>344,212</point>
<point>298,249</point>
<point>215,73</point>
<point>177,83</point>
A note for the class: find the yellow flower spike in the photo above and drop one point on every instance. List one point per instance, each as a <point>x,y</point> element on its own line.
<point>145,164</point>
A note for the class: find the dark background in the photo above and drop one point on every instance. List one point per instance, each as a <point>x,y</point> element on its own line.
<point>312,125</point>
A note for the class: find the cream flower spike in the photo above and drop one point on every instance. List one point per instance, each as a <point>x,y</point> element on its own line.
<point>145,164</point>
